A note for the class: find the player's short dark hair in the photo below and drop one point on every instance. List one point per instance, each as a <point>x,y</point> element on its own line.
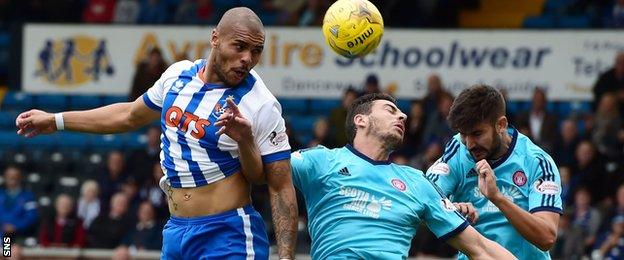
<point>362,105</point>
<point>474,105</point>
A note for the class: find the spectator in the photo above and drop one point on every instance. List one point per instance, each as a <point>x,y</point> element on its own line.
<point>614,17</point>
<point>195,12</point>
<point>147,233</point>
<point>432,152</point>
<point>589,171</point>
<point>130,188</point>
<point>371,85</point>
<point>338,116</point>
<point>109,228</point>
<point>414,130</point>
<point>127,11</point>
<point>312,14</point>
<point>154,194</point>
<point>611,245</point>
<point>615,210</point>
<point>153,12</point>
<point>147,73</point>
<point>434,90</point>
<point>98,11</point>
<point>292,138</point>
<point>566,185</point>
<point>541,123</point>
<point>437,128</point>
<point>18,217</point>
<point>149,155</point>
<point>321,134</point>
<point>64,229</point>
<point>611,80</point>
<point>584,226</point>
<point>205,13</point>
<point>89,203</point>
<point>114,176</point>
<point>607,124</point>
<point>567,141</point>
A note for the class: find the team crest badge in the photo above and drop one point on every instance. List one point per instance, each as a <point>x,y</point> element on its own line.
<point>519,178</point>
<point>398,184</point>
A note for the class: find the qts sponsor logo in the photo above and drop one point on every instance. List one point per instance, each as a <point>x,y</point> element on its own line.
<point>186,121</point>
<point>72,61</point>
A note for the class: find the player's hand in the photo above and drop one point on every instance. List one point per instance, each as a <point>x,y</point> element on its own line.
<point>233,124</point>
<point>468,210</point>
<point>487,180</point>
<point>34,122</point>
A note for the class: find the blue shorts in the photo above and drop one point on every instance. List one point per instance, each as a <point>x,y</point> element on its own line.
<point>234,234</point>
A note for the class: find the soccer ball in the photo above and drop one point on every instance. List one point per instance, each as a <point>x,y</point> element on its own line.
<point>353,28</point>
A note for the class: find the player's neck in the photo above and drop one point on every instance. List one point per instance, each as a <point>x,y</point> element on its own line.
<point>207,73</point>
<point>504,146</point>
<point>374,149</point>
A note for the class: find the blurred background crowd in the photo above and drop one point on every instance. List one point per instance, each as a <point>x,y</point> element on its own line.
<point>74,190</point>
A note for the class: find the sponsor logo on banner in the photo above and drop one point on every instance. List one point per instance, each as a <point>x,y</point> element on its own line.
<point>546,187</point>
<point>68,62</point>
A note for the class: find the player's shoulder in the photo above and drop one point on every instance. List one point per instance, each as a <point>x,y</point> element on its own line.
<point>259,89</point>
<point>318,152</point>
<point>453,150</point>
<point>180,66</point>
<point>528,151</point>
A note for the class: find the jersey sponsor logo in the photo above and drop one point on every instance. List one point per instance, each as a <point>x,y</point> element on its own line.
<point>448,205</point>
<point>439,168</point>
<point>512,193</point>
<point>186,122</point>
<point>546,187</point>
<point>364,203</point>
<point>297,155</point>
<point>276,138</point>
<point>344,171</point>
<point>398,184</point>
<point>519,178</point>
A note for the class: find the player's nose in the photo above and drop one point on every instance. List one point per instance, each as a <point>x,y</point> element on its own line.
<point>246,58</point>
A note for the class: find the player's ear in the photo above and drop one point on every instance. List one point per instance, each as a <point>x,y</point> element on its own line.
<point>360,120</point>
<point>214,38</point>
<point>501,124</point>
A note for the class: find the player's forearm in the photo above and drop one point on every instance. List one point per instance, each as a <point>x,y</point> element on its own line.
<point>495,251</point>
<point>283,207</point>
<point>103,120</point>
<point>533,228</point>
<point>251,161</point>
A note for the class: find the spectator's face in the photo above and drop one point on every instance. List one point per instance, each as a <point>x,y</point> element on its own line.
<point>582,198</point>
<point>564,172</point>
<point>416,111</point>
<point>568,130</point>
<point>584,153</point>
<point>130,189</point>
<point>434,84</point>
<point>64,206</point>
<point>321,129</point>
<point>236,52</point>
<point>12,178</point>
<point>619,60</point>
<point>119,204</point>
<point>539,100</point>
<point>91,193</point>
<point>482,141</point>
<point>146,212</point>
<point>348,99</point>
<point>444,107</point>
<point>386,122</point>
<point>608,104</point>
<point>115,163</point>
<point>155,58</point>
<point>153,137</point>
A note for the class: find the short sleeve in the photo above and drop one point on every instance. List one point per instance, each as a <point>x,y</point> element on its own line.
<point>304,166</point>
<point>270,133</point>
<point>154,96</point>
<point>545,190</point>
<point>445,171</point>
<point>439,213</point>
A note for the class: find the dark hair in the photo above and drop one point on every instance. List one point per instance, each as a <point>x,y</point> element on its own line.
<point>362,105</point>
<point>474,105</point>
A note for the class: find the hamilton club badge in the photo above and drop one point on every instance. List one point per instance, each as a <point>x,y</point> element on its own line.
<point>519,178</point>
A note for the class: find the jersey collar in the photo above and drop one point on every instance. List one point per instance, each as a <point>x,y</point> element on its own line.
<point>363,156</point>
<point>514,137</point>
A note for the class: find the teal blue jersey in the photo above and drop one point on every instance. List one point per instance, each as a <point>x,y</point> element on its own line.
<point>525,175</point>
<point>364,209</point>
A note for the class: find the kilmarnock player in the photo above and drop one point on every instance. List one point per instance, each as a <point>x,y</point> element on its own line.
<point>208,174</point>
<point>362,206</point>
<point>514,185</point>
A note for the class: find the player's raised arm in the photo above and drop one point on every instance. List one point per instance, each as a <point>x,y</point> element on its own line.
<point>283,207</point>
<point>476,246</point>
<point>114,118</point>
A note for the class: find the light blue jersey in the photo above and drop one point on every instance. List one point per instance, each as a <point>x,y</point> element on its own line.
<point>364,209</point>
<point>525,175</point>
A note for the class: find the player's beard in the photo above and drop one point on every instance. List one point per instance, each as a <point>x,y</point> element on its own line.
<point>497,145</point>
<point>217,67</point>
<point>389,139</point>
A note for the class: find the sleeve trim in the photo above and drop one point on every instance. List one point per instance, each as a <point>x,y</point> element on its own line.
<point>277,156</point>
<point>547,208</point>
<point>150,104</point>
<point>455,231</point>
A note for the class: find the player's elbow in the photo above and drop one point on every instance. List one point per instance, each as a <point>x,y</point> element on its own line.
<point>547,241</point>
